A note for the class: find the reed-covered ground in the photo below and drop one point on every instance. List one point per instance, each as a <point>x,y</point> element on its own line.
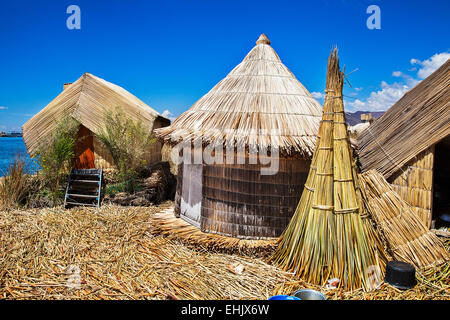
<point>117,256</point>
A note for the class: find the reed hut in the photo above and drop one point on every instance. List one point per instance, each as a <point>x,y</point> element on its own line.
<point>330,234</point>
<point>87,100</point>
<point>259,105</point>
<point>410,146</point>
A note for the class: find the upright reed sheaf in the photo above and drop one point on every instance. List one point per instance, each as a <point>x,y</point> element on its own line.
<point>330,234</point>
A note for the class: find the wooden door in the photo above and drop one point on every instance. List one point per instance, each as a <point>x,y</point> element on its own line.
<point>84,149</point>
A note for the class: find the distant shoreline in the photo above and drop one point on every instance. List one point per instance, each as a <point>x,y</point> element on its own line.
<point>10,135</point>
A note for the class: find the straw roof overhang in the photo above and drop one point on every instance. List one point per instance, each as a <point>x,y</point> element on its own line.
<point>86,101</point>
<point>420,119</point>
<point>259,104</point>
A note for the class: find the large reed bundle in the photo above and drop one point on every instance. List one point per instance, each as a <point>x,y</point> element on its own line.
<point>407,237</point>
<point>330,235</point>
<point>86,100</point>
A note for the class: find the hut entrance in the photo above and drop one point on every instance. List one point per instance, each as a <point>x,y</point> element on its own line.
<point>84,149</point>
<point>191,194</point>
<point>441,186</point>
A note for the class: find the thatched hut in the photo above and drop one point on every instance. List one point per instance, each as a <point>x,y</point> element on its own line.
<point>86,100</point>
<point>410,146</point>
<point>261,106</point>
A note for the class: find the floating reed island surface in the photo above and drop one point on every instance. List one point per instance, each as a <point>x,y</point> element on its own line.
<point>118,256</point>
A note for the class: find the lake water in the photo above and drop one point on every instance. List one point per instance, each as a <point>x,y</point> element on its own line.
<point>9,149</point>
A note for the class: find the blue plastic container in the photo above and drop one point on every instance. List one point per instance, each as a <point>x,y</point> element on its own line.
<point>283,297</point>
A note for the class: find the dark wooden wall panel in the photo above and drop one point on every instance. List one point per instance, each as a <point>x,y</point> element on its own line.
<point>238,201</point>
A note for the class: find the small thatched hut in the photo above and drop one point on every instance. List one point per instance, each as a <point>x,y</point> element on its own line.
<point>410,146</point>
<point>259,105</point>
<point>86,100</point>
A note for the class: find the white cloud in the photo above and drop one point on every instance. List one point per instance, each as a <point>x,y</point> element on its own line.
<point>169,115</point>
<point>410,81</point>
<point>430,65</point>
<point>389,94</point>
<point>318,95</point>
<point>380,100</point>
<point>3,108</point>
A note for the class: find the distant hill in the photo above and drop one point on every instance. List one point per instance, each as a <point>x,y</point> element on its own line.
<point>355,117</point>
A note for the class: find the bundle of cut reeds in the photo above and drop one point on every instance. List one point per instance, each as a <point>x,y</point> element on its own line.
<point>330,235</point>
<point>407,237</point>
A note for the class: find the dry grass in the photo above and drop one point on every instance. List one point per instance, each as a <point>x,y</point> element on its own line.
<point>165,223</point>
<point>119,258</point>
<point>433,283</point>
<point>16,184</point>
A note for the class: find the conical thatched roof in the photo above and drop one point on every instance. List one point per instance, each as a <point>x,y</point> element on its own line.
<point>330,235</point>
<point>259,103</point>
<point>85,100</point>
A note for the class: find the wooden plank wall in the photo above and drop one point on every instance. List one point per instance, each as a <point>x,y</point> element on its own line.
<point>414,184</point>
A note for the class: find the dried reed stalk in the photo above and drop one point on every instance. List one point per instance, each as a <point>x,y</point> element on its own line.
<point>118,258</point>
<point>15,184</point>
<point>330,235</point>
<point>167,224</point>
<point>432,284</point>
<point>407,236</point>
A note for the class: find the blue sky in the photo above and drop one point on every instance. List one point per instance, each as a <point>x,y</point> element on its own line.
<point>170,53</point>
